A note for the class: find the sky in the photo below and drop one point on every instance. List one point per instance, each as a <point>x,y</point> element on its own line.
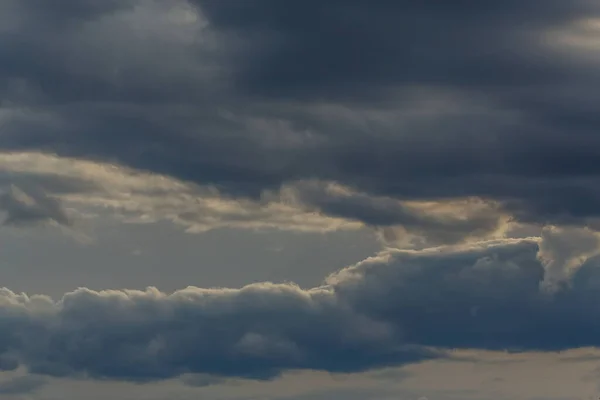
<point>299,200</point>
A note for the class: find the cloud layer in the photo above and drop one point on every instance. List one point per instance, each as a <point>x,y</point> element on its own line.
<point>460,126</point>
<point>400,307</point>
<point>39,187</point>
<point>400,102</point>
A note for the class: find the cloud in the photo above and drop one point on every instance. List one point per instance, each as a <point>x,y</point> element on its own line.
<point>22,385</point>
<point>200,380</point>
<point>433,125</point>
<point>415,223</point>
<point>400,307</point>
<point>430,124</point>
<point>396,102</point>
<point>565,250</point>
<point>31,206</point>
<point>350,393</point>
<point>93,188</point>
<point>254,332</point>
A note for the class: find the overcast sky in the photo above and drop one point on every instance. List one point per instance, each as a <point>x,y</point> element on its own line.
<point>299,199</point>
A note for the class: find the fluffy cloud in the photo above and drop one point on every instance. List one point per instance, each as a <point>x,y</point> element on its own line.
<point>399,307</point>
<point>253,332</point>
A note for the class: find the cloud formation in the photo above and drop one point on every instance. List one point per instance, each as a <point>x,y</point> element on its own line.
<point>400,307</point>
<point>403,102</point>
<point>87,188</point>
<point>433,124</point>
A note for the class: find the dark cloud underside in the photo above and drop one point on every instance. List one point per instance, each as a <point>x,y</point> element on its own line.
<point>409,100</point>
<point>405,308</point>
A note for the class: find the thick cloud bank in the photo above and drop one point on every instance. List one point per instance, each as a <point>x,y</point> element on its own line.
<point>399,307</point>
<point>397,101</point>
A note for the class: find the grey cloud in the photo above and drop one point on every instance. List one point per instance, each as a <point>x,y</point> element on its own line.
<point>498,302</point>
<point>254,332</point>
<point>388,212</point>
<point>424,101</point>
<point>400,307</point>
<point>8,363</point>
<point>22,385</point>
<point>200,380</point>
<point>69,10</point>
<point>350,48</point>
<point>566,250</point>
<point>31,206</point>
<point>392,375</point>
<point>373,211</point>
<point>581,358</point>
<point>351,393</point>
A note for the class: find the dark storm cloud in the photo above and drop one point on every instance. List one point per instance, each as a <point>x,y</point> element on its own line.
<point>339,47</point>
<point>401,308</point>
<point>255,333</point>
<point>406,100</point>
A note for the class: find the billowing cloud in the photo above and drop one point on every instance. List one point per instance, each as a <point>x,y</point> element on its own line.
<point>399,307</point>
<point>253,332</point>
